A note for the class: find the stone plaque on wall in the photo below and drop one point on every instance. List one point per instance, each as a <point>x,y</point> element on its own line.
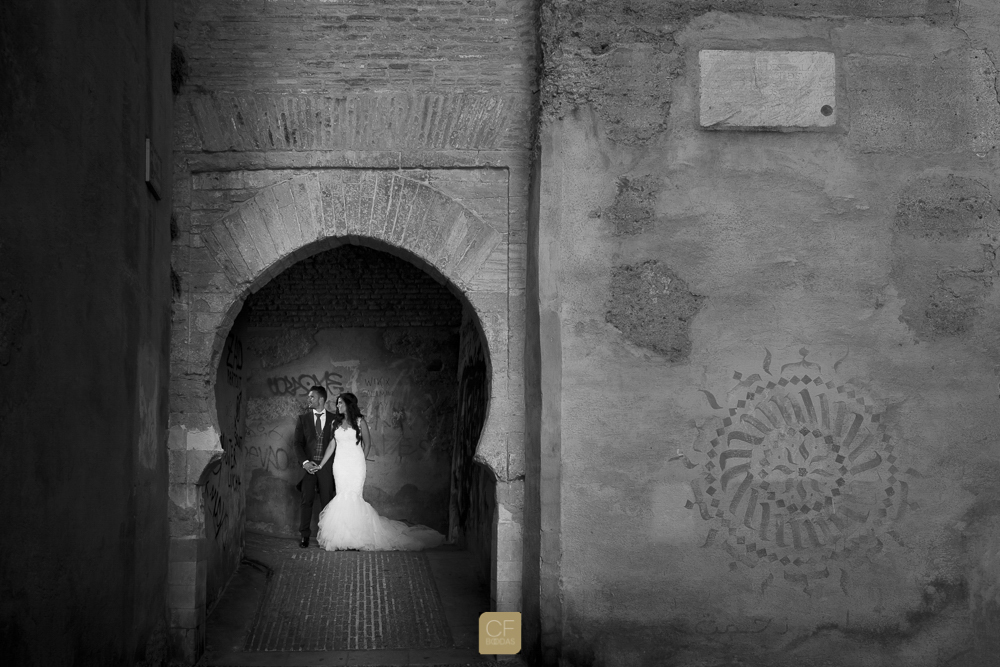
<point>767,90</point>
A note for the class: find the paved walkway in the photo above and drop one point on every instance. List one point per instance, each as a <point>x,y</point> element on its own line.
<point>292,607</point>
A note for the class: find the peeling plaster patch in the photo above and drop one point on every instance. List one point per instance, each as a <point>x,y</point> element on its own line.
<point>652,306</point>
<point>618,60</point>
<point>632,212</point>
<point>945,236</point>
<point>281,347</point>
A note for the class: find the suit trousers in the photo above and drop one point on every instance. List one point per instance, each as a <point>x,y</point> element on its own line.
<point>312,486</point>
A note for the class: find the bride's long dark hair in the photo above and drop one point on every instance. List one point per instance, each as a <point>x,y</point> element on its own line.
<point>353,412</point>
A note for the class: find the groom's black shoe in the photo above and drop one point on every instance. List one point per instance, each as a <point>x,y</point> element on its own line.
<point>304,542</point>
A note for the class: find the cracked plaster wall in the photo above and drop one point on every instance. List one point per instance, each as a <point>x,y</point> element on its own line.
<point>862,259</point>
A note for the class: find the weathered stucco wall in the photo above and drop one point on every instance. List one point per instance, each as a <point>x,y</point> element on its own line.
<point>84,325</point>
<point>779,349</point>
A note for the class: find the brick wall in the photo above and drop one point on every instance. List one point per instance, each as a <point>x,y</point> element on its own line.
<point>294,75</point>
<point>352,287</point>
<point>391,44</point>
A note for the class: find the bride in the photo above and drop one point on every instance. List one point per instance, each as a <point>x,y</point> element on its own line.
<point>347,521</point>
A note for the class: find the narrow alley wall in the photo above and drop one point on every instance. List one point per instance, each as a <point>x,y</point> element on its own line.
<point>779,376</point>
<point>358,320</point>
<point>84,331</point>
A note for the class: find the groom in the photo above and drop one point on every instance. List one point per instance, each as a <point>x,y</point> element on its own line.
<point>313,434</point>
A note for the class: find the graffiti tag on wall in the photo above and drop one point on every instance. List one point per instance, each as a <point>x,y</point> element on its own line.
<point>224,491</point>
<point>222,497</point>
<point>234,361</point>
<point>389,402</point>
<point>270,448</point>
<point>800,474</point>
<point>299,385</point>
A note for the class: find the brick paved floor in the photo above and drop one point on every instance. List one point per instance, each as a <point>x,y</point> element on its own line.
<point>293,607</point>
<point>342,600</point>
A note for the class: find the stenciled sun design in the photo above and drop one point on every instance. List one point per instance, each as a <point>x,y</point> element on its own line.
<point>801,473</point>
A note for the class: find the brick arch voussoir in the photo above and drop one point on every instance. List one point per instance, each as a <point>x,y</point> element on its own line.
<point>256,239</point>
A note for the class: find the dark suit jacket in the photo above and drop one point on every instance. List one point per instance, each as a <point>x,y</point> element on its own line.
<point>305,435</point>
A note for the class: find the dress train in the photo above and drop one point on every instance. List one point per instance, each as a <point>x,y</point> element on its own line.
<point>349,522</point>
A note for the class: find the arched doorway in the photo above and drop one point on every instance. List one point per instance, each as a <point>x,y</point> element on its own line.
<point>277,219</point>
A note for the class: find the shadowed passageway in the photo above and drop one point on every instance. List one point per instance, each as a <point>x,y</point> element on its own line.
<point>288,606</point>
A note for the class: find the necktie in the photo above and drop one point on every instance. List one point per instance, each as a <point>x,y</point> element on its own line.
<point>318,451</point>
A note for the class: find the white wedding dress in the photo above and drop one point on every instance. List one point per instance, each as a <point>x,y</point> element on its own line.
<point>348,522</point>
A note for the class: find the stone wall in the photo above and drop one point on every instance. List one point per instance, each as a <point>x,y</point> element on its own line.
<point>776,384</point>
<point>473,487</point>
<point>84,331</point>
<point>224,482</point>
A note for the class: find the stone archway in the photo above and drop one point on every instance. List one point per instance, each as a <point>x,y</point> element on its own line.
<point>248,226</point>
